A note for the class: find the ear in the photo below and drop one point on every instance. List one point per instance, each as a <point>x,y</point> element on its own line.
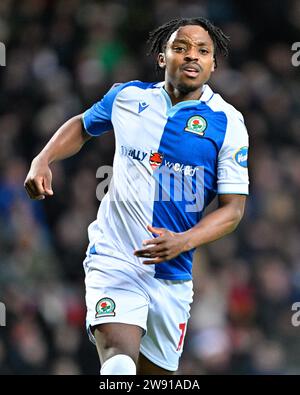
<point>214,65</point>
<point>161,60</point>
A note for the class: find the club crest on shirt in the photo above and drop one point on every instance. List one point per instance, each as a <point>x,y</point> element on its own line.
<point>105,307</point>
<point>155,159</point>
<point>196,124</point>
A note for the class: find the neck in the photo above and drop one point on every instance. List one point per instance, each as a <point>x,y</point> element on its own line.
<point>178,95</point>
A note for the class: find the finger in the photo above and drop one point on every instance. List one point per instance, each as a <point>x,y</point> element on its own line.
<point>155,255</point>
<point>152,253</point>
<point>28,190</point>
<point>154,261</point>
<point>142,253</point>
<point>32,194</point>
<point>156,240</point>
<point>146,255</point>
<point>47,186</point>
<point>149,251</point>
<point>36,186</point>
<point>158,231</point>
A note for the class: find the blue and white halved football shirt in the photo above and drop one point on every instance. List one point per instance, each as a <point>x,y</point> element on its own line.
<point>170,162</point>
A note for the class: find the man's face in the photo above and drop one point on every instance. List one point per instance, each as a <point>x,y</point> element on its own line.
<point>188,59</point>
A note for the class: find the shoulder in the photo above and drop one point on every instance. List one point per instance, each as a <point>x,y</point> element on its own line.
<point>234,126</point>
<point>218,104</point>
<point>120,86</point>
<point>126,90</point>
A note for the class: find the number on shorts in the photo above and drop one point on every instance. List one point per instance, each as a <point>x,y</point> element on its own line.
<point>182,327</point>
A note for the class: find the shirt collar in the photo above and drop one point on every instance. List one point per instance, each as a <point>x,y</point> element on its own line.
<point>207,92</point>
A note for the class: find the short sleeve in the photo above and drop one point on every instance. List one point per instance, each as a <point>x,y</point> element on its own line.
<point>233,158</point>
<point>97,119</point>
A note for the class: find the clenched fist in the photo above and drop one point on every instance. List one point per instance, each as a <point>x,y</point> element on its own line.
<point>38,180</point>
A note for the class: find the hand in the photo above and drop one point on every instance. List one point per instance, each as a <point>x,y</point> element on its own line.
<point>166,246</point>
<point>38,180</point>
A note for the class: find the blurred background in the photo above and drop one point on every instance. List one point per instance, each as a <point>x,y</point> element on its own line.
<point>62,56</point>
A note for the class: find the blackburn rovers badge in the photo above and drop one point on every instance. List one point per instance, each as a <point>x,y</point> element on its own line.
<point>196,124</point>
<point>105,307</point>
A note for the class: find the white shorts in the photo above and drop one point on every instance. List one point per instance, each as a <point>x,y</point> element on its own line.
<point>118,291</point>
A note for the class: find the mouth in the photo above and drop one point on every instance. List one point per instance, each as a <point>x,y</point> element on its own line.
<point>191,71</point>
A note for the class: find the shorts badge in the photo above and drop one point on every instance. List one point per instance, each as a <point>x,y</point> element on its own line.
<point>105,307</point>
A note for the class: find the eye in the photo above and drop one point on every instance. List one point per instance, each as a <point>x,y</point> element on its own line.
<point>203,51</point>
<point>179,49</point>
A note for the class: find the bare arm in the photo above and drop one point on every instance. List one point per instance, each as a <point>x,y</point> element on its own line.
<point>219,223</point>
<point>215,225</point>
<point>67,141</point>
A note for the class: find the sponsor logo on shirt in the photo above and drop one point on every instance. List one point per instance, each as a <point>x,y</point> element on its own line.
<point>133,153</point>
<point>241,157</point>
<point>187,170</point>
<point>155,160</point>
<point>143,106</point>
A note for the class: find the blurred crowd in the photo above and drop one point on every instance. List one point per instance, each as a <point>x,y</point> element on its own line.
<point>62,56</point>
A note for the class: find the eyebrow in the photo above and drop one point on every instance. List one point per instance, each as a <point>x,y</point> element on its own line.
<point>184,41</point>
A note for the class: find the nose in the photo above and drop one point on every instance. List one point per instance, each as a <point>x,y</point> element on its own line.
<point>192,54</point>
